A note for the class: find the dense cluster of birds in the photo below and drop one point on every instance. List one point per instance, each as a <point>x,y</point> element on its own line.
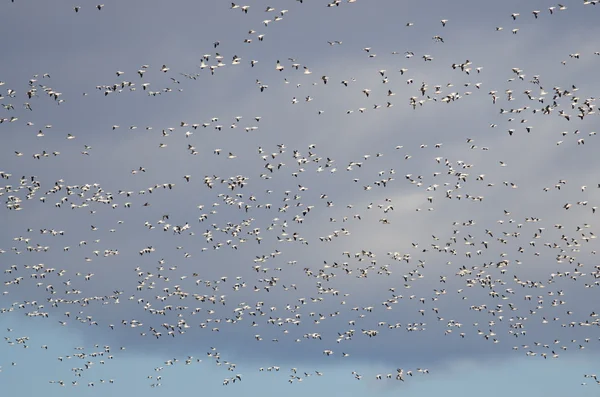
<point>284,256</point>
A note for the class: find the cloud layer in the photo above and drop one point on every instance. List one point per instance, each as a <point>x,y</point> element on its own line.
<point>449,229</point>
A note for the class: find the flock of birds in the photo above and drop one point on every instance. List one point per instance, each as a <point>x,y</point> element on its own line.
<point>172,298</point>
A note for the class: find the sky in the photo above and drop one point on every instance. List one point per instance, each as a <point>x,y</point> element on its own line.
<point>461,230</point>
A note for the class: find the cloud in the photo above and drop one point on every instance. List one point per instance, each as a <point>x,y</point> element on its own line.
<point>533,161</point>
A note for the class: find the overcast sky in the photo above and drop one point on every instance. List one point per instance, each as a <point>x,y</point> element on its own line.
<point>461,229</point>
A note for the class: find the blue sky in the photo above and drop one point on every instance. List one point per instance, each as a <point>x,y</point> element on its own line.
<point>532,377</point>
<point>477,253</point>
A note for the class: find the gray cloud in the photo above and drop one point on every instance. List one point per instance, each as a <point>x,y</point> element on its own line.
<point>82,53</point>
